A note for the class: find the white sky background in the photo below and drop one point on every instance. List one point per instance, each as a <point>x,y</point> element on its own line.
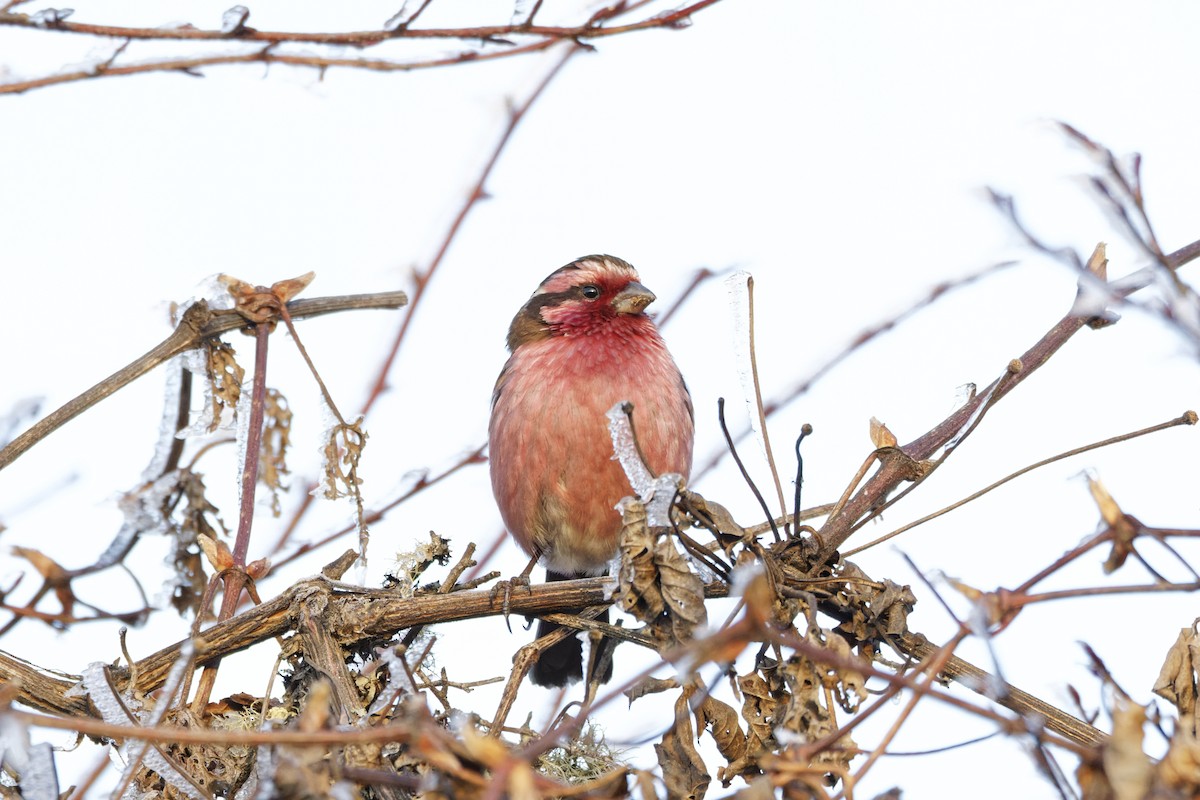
<point>839,152</point>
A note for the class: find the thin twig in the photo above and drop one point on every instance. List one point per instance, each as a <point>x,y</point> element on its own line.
<point>198,324</point>
<point>1187,418</point>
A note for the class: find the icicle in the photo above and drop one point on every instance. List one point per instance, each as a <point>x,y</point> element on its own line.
<point>740,287</point>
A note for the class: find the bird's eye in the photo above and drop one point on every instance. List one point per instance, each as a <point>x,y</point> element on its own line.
<point>590,292</point>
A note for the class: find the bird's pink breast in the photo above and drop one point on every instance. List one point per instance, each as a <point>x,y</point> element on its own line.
<point>552,468</point>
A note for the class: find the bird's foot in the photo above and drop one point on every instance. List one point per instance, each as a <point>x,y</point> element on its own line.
<point>505,589</point>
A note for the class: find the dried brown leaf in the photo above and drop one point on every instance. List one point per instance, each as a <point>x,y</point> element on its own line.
<point>217,552</point>
<point>650,685</point>
<point>1127,768</point>
<point>343,447</point>
<point>683,770</point>
<point>722,721</point>
<point>277,430</point>
<point>715,515</point>
<point>260,304</point>
<point>1109,510</point>
<point>1122,529</point>
<point>50,570</point>
<point>188,587</point>
<point>655,581</point>
<point>759,708</point>
<point>870,609</point>
<point>1177,680</point>
<point>1179,770</point>
<point>224,380</point>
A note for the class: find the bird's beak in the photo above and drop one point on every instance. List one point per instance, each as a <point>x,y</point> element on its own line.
<point>633,299</point>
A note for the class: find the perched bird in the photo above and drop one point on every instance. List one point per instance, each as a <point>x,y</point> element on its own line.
<point>580,345</point>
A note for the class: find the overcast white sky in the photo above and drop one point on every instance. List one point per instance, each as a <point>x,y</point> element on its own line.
<point>839,152</point>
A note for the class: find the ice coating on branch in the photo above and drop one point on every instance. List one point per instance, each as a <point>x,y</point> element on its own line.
<point>984,402</point>
<point>143,511</point>
<point>243,437</point>
<point>94,681</point>
<point>521,9</point>
<point>401,682</point>
<point>262,780</point>
<point>34,762</point>
<point>625,450</point>
<point>166,425</point>
<point>117,710</point>
<point>39,781</point>
<point>657,493</point>
<point>738,287</point>
<point>50,16</point>
<point>234,19</point>
<point>21,414</point>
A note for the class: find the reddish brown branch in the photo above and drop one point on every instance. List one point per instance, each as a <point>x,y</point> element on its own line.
<point>592,29</point>
<point>546,37</point>
<point>893,472</point>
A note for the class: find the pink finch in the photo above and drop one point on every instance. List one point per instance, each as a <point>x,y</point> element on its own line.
<point>581,344</point>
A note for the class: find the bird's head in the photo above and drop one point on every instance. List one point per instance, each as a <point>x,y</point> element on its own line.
<point>589,295</point>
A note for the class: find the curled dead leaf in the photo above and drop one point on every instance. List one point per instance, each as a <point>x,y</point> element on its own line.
<point>216,551</point>
<point>881,437</point>
<point>683,770</point>
<point>1127,768</point>
<point>655,581</point>
<point>1178,679</point>
<point>261,304</point>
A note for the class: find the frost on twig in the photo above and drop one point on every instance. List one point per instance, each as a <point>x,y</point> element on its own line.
<point>126,710</point>
<point>233,21</point>
<point>32,763</point>
<point>657,493</point>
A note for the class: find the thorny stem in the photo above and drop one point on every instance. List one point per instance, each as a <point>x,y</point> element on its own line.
<point>367,38</point>
<point>421,279</point>
<point>698,277</point>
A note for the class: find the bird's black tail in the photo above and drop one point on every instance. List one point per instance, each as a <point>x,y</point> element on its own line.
<point>562,663</point>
